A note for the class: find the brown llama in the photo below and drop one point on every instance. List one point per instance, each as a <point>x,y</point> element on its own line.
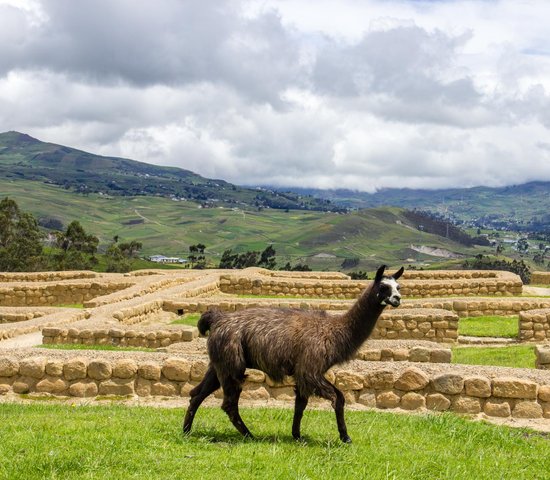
<point>300,343</point>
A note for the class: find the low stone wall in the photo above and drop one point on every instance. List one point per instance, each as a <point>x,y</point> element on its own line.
<point>540,278</point>
<point>451,274</point>
<point>501,284</point>
<point>542,353</point>
<point>148,338</point>
<point>426,324</point>
<point>59,317</point>
<point>20,314</point>
<point>404,353</point>
<point>45,276</point>
<point>476,307</point>
<point>51,294</point>
<point>534,325</point>
<point>138,313</point>
<point>373,385</point>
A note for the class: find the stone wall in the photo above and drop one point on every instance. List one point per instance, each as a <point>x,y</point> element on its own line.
<point>51,294</point>
<point>404,353</point>
<point>366,383</point>
<point>147,338</point>
<point>476,307</point>
<point>542,353</point>
<point>500,284</point>
<point>426,324</point>
<point>534,325</point>
<point>45,276</point>
<point>540,278</point>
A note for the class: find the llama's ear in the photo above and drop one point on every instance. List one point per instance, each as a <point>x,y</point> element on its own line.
<point>380,273</point>
<point>399,272</point>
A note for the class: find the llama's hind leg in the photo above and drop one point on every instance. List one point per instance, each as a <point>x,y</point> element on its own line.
<point>231,393</point>
<point>209,384</point>
<point>336,397</point>
<point>300,404</point>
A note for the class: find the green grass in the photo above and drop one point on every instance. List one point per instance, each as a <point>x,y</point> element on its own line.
<point>116,442</point>
<point>70,305</point>
<point>188,319</point>
<point>79,346</point>
<point>489,326</point>
<point>518,356</point>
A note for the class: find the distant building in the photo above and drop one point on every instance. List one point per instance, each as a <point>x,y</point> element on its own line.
<point>163,259</point>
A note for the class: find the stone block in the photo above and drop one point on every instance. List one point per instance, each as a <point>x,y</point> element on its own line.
<point>253,391</point>
<point>255,376</point>
<point>380,380</point>
<point>176,369</point>
<point>283,393</point>
<point>149,371</point>
<point>368,399</point>
<point>55,385</point>
<point>441,356</point>
<point>419,354</point>
<point>9,367</point>
<point>387,399</point>
<point>527,409</point>
<point>99,370</point>
<point>164,388</point>
<point>449,383</point>
<point>411,379</point>
<point>124,368</point>
<point>478,387</point>
<point>33,367</point>
<point>117,386</point>
<point>348,381</point>
<point>497,408</point>
<point>75,369</point>
<point>465,404</point>
<point>24,384</point>
<point>198,369</point>
<point>438,402</point>
<point>412,401</point>
<point>54,368</point>
<point>514,388</point>
<point>143,387</point>
<point>544,393</point>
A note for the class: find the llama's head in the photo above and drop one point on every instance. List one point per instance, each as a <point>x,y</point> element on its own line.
<point>387,288</point>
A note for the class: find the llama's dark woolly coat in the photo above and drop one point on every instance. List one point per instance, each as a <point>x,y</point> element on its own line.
<point>301,343</point>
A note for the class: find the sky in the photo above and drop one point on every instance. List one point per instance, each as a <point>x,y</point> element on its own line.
<point>358,94</point>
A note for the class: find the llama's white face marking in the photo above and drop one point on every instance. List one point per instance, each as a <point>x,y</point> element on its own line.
<point>389,290</point>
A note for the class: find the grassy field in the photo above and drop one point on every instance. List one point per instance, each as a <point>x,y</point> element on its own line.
<point>376,236</point>
<point>188,319</point>
<point>489,326</point>
<point>115,442</point>
<point>518,356</point>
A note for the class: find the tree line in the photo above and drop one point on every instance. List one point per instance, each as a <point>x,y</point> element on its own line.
<point>22,249</point>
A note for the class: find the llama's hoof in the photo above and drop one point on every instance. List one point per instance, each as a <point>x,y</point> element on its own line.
<point>345,439</point>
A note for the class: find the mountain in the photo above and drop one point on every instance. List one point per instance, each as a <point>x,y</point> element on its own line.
<point>516,207</point>
<point>25,157</point>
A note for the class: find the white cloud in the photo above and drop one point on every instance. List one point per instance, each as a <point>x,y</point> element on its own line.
<point>358,94</point>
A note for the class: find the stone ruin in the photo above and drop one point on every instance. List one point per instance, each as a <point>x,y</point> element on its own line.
<point>405,364</point>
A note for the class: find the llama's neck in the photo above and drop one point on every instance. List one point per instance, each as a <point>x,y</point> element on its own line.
<point>358,323</point>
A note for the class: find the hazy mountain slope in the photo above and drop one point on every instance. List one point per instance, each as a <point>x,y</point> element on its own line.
<point>24,157</point>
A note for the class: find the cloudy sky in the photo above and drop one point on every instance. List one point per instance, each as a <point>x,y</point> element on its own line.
<point>362,94</point>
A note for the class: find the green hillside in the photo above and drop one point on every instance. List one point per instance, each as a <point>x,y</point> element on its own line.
<point>25,158</point>
<point>168,227</point>
<point>517,207</point>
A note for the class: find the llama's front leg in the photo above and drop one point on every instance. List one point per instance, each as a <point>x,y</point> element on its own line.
<point>231,393</point>
<point>300,405</point>
<point>209,384</point>
<point>336,397</point>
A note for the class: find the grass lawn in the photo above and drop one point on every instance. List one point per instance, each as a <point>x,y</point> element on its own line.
<point>519,356</point>
<point>188,319</point>
<point>489,326</point>
<point>79,346</point>
<point>70,305</point>
<point>117,442</point>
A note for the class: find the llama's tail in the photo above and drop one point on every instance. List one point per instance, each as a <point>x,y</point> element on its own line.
<point>206,321</point>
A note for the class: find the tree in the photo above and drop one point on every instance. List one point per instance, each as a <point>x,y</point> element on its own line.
<point>119,255</point>
<point>20,239</point>
<point>77,248</point>
<point>267,258</point>
<point>196,256</point>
